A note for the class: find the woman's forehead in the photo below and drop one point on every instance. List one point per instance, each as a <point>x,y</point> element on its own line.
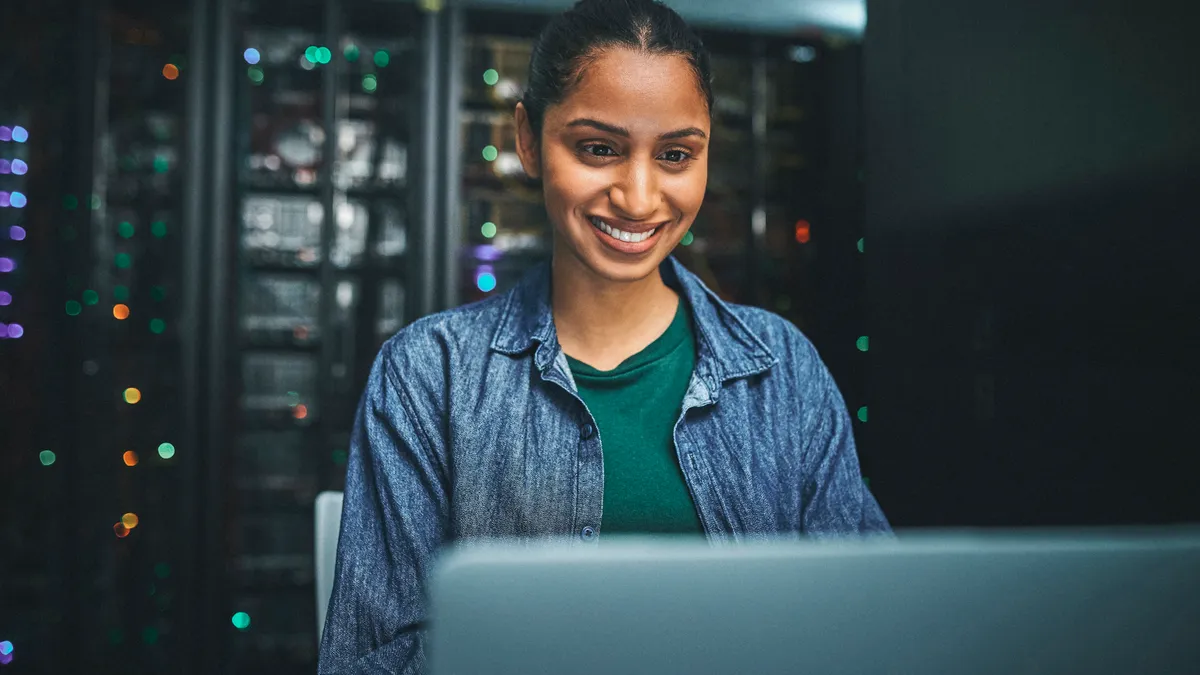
<point>635,90</point>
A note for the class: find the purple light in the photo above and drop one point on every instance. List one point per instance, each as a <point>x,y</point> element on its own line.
<point>7,265</point>
<point>487,253</point>
<point>15,330</point>
<point>3,331</point>
<point>5,659</point>
<point>5,298</point>
<point>19,167</point>
<point>4,199</point>
<point>16,233</point>
<point>5,134</point>
<point>20,134</point>
<point>5,166</point>
<point>18,200</point>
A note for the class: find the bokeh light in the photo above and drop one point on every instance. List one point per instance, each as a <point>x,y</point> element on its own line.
<point>382,58</point>
<point>132,395</point>
<point>47,457</point>
<point>486,282</point>
<point>15,330</point>
<point>20,134</point>
<point>125,229</point>
<point>803,232</point>
<point>129,520</point>
<point>166,450</point>
<point>241,621</point>
<point>5,298</point>
<point>255,74</point>
<point>170,71</point>
<point>90,297</point>
<point>490,153</point>
<point>324,55</point>
<point>5,133</point>
<point>351,53</point>
<point>73,308</point>
<point>16,233</point>
<point>863,343</point>
<point>310,54</point>
<point>130,458</point>
<point>688,238</point>
<point>862,414</point>
<point>149,635</point>
<point>158,228</point>
<point>120,530</point>
<point>122,260</point>
<point>6,647</point>
<point>491,77</point>
<point>120,293</point>
<point>369,83</point>
<point>120,312</point>
<point>19,167</point>
<point>251,55</point>
<point>162,570</point>
<point>18,200</point>
<point>70,202</point>
<point>7,265</point>
<point>158,293</point>
<point>157,326</point>
<point>488,230</point>
<point>860,245</point>
<point>300,411</point>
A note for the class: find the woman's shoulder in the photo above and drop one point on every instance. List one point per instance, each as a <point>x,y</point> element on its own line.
<point>449,330</point>
<point>782,338</point>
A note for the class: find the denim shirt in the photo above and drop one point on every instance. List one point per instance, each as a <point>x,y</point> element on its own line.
<point>470,428</point>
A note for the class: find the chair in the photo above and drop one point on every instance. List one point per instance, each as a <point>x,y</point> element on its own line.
<point>328,525</point>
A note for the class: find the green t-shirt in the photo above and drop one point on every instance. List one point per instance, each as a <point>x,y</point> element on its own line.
<point>636,406</point>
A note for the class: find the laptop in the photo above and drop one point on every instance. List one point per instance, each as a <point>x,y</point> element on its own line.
<point>962,603</point>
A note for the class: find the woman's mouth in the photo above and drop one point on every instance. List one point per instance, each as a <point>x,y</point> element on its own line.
<point>622,240</point>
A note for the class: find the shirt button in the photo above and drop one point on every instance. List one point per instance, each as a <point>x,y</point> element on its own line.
<point>588,533</point>
<point>587,431</point>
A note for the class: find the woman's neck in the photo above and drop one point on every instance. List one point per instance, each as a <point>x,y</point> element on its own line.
<point>602,322</point>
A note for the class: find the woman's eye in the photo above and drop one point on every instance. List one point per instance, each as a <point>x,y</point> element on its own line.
<point>676,156</point>
<point>599,150</point>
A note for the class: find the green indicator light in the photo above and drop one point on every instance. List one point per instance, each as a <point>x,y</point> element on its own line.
<point>860,245</point>
<point>241,621</point>
<point>339,457</point>
<point>351,53</point>
<point>166,450</point>
<point>490,153</point>
<point>121,293</point>
<point>491,77</point>
<point>324,55</point>
<point>90,297</point>
<point>161,164</point>
<point>47,457</point>
<point>157,326</point>
<point>162,570</point>
<point>311,54</point>
<point>862,414</point>
<point>255,74</point>
<point>122,260</point>
<point>158,293</point>
<point>488,230</point>
<point>369,83</point>
<point>125,229</point>
<point>95,202</point>
<point>382,58</point>
<point>149,635</point>
<point>158,228</point>
<point>73,308</point>
<point>863,343</point>
<point>688,238</point>
<point>70,202</point>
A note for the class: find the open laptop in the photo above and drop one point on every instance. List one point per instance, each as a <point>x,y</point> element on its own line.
<point>967,603</point>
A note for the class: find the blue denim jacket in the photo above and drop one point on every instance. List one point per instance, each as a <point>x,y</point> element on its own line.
<point>470,428</point>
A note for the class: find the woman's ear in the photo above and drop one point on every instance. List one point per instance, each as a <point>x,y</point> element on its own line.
<point>527,143</point>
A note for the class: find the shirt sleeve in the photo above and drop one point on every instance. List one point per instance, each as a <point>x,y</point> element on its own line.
<point>393,521</point>
<point>836,500</point>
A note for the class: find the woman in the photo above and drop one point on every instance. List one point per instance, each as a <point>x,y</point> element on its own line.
<point>488,420</point>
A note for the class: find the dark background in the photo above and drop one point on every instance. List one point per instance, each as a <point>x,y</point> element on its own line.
<point>982,214</point>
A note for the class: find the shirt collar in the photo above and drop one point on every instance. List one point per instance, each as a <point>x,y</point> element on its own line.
<point>726,347</point>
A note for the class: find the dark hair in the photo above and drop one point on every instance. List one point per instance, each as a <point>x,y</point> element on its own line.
<point>577,36</point>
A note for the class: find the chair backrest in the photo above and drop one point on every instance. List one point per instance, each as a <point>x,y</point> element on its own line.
<point>328,525</point>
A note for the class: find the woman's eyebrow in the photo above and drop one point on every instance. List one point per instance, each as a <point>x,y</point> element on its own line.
<point>621,131</point>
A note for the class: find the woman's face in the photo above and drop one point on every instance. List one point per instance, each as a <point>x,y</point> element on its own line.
<point>623,161</point>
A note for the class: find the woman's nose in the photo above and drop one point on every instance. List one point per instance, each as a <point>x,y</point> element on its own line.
<point>636,193</point>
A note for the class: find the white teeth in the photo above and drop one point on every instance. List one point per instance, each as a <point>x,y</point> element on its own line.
<point>621,235</point>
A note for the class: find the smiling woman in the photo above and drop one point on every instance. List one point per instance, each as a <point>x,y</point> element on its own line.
<point>610,391</point>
